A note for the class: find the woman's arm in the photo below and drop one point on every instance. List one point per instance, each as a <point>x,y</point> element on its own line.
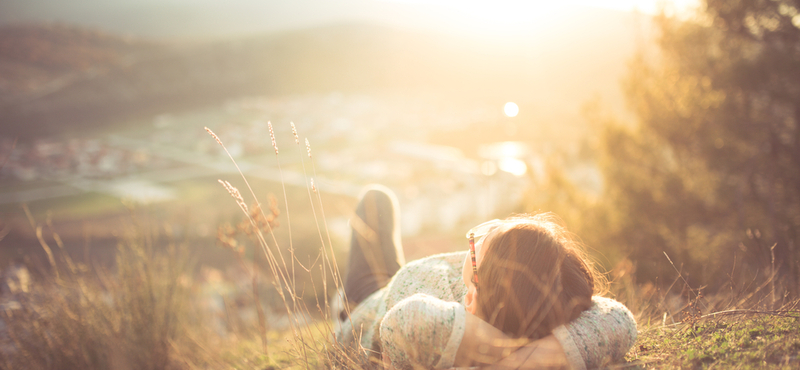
<point>602,334</point>
<point>544,353</point>
<point>486,346</point>
<point>427,331</point>
<point>422,331</point>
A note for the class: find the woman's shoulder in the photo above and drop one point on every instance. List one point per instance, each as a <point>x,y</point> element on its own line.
<point>443,264</point>
<point>437,276</point>
<point>613,318</point>
<point>604,304</point>
<point>603,333</point>
<point>435,265</point>
<point>614,312</point>
<point>451,258</point>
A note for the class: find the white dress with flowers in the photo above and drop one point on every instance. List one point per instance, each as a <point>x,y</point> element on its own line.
<point>419,318</point>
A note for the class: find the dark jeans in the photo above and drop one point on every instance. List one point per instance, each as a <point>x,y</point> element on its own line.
<point>375,249</point>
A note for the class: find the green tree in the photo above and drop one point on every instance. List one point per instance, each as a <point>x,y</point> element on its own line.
<point>711,172</point>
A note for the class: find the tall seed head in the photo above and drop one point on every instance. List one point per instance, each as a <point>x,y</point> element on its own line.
<point>214,135</point>
<point>272,136</point>
<point>294,132</point>
<point>308,147</point>
<point>234,192</point>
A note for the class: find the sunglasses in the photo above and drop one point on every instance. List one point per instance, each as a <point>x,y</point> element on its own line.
<point>479,232</point>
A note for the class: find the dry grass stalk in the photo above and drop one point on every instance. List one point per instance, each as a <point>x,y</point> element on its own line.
<point>286,202</point>
<point>214,135</point>
<point>334,266</point>
<point>42,242</point>
<point>272,136</point>
<point>294,132</point>
<point>226,237</point>
<point>297,308</point>
<point>86,319</point>
<point>283,282</point>
<point>234,192</point>
<point>252,193</point>
<point>331,262</point>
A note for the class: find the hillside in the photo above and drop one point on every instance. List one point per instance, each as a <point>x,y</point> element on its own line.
<point>60,79</point>
<point>38,60</point>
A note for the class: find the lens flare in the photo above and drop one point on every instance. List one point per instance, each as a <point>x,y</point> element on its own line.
<point>511,109</point>
<point>513,166</point>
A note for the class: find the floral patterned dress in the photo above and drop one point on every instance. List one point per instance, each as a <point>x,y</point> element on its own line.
<point>419,319</point>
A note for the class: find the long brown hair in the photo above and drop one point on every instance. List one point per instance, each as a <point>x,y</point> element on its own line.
<point>534,276</point>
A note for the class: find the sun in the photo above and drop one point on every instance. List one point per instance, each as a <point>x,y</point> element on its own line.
<point>511,109</point>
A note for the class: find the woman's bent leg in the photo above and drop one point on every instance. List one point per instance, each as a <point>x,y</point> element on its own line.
<point>375,249</point>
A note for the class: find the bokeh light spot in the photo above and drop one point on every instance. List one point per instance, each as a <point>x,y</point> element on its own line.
<point>513,166</point>
<point>488,168</point>
<point>511,109</point>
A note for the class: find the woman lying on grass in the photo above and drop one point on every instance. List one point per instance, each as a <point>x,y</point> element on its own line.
<point>524,299</point>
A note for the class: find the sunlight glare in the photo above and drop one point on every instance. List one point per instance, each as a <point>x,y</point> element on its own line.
<point>513,166</point>
<point>644,6</point>
<point>511,109</point>
<point>528,16</point>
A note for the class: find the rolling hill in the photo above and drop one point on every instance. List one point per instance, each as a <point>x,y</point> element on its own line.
<point>59,79</point>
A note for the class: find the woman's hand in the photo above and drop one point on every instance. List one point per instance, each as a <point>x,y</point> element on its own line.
<point>486,346</point>
<point>544,353</point>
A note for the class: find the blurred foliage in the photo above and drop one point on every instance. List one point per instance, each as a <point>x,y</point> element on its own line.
<point>709,175</point>
<point>83,317</point>
<point>151,311</point>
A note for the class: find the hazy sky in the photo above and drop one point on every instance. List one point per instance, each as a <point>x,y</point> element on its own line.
<point>217,18</point>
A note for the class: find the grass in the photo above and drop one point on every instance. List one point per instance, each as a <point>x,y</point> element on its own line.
<point>83,317</point>
<point>247,352</point>
<point>313,345</point>
<point>769,340</point>
<point>143,315</point>
<point>735,328</point>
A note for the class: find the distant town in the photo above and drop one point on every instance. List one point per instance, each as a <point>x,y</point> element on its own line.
<point>356,140</point>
